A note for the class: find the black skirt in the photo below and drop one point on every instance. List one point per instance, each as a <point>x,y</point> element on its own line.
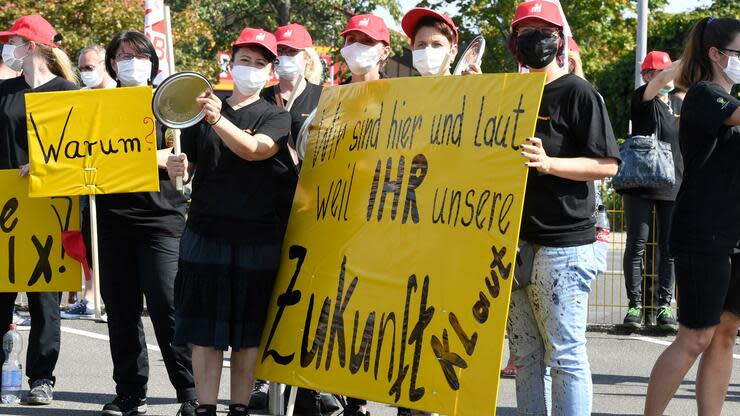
<point>222,292</point>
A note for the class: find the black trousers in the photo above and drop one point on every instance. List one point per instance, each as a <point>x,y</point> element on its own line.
<point>638,214</point>
<point>44,339</point>
<point>133,265</point>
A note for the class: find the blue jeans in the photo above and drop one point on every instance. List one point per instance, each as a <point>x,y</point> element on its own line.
<point>547,328</point>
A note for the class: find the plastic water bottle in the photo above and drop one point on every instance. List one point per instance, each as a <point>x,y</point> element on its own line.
<point>602,225</point>
<point>12,371</point>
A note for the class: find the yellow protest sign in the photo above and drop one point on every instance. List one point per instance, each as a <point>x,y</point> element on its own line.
<point>398,261</point>
<point>31,255</point>
<point>90,142</point>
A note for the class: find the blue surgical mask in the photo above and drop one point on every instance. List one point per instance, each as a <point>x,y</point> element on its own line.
<point>665,90</point>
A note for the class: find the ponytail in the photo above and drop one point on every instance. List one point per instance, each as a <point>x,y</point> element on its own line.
<point>58,63</point>
<point>314,71</point>
<point>708,32</point>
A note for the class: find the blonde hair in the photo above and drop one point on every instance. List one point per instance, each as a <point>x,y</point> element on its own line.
<point>314,72</point>
<point>93,48</point>
<point>58,63</point>
<point>578,67</point>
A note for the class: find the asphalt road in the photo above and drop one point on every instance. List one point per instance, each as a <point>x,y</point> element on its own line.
<point>621,364</point>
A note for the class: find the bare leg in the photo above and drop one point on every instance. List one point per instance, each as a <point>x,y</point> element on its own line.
<point>243,363</point>
<point>207,364</point>
<point>672,365</point>
<point>715,367</point>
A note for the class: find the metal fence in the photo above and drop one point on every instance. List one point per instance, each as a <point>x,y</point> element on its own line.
<point>608,301</point>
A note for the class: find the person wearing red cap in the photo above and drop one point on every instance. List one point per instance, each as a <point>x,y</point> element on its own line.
<point>230,249</point>
<point>705,230</point>
<point>366,47</point>
<point>653,112</point>
<point>31,46</point>
<point>574,145</point>
<point>434,40</point>
<point>299,71</point>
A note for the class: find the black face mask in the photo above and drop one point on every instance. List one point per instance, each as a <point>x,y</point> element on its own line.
<point>536,50</point>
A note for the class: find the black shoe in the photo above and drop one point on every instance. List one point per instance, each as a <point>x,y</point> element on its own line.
<point>258,399</point>
<point>633,319</point>
<point>238,410</point>
<point>665,320</point>
<point>125,406</point>
<point>187,408</point>
<point>42,392</point>
<point>205,410</point>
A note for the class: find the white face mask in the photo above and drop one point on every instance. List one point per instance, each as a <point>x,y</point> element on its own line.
<point>248,79</point>
<point>134,72</point>
<point>428,61</point>
<point>16,64</point>
<point>733,69</point>
<point>91,79</point>
<point>288,67</point>
<point>360,58</point>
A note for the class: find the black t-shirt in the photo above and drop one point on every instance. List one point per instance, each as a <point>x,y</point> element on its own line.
<point>644,115</point>
<point>706,216</point>
<point>303,105</point>
<point>572,122</point>
<point>13,132</point>
<point>153,213</point>
<point>233,199</point>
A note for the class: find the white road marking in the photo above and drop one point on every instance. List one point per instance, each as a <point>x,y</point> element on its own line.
<point>102,337</point>
<point>666,343</point>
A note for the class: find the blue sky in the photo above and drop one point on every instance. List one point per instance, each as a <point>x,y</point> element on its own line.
<point>674,6</point>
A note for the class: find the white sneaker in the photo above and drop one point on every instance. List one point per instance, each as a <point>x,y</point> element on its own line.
<point>80,310</point>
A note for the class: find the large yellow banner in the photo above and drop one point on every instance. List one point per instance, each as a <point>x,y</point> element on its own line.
<point>31,255</point>
<point>92,142</point>
<point>398,261</point>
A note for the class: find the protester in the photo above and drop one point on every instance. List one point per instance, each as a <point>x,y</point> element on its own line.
<point>31,45</point>
<point>366,47</point>
<point>574,146</point>
<point>139,235</point>
<point>91,63</point>
<point>230,249</point>
<point>705,229</point>
<point>653,111</point>
<point>434,41</point>
<point>299,70</point>
<point>296,65</point>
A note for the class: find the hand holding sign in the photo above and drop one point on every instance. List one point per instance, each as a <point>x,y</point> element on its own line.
<point>536,155</point>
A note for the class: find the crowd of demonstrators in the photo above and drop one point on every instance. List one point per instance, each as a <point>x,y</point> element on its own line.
<point>230,249</point>
<point>574,145</point>
<point>91,64</point>
<point>654,110</point>
<point>31,46</point>
<point>207,278</point>
<point>705,229</point>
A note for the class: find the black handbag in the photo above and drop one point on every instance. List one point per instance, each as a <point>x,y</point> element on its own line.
<point>647,162</point>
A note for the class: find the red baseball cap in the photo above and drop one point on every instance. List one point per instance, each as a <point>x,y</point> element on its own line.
<point>293,36</point>
<point>572,45</point>
<point>259,37</point>
<point>411,19</point>
<point>538,9</point>
<point>370,25</point>
<point>657,60</point>
<point>32,27</point>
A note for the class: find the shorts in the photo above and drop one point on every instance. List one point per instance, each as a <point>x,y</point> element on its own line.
<point>708,284</point>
